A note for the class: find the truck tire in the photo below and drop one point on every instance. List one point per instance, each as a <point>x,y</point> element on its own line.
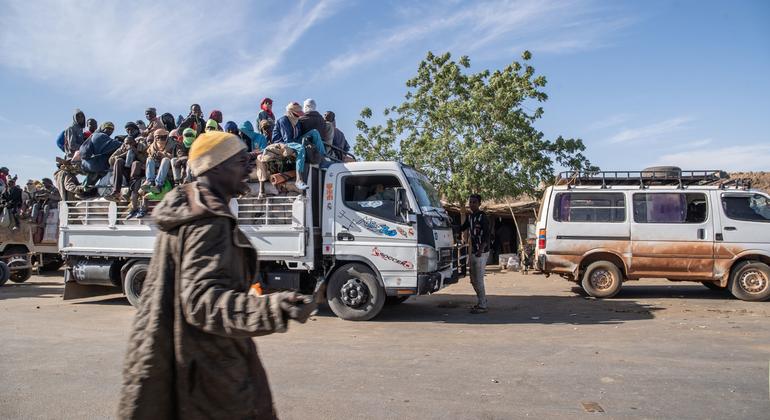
<point>17,276</point>
<point>395,300</point>
<point>750,280</point>
<point>602,279</point>
<point>4,273</point>
<point>354,294</point>
<point>133,283</point>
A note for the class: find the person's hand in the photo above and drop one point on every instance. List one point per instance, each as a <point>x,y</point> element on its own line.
<point>296,306</point>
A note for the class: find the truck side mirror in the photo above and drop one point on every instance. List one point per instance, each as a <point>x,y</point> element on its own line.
<point>402,204</point>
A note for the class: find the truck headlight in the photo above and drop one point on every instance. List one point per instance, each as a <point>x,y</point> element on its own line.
<point>427,259</point>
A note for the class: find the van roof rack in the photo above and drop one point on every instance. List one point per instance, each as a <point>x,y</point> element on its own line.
<point>643,179</point>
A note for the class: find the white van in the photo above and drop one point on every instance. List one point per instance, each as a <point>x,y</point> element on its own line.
<point>602,228</point>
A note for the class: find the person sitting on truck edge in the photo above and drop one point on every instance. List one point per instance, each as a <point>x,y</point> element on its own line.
<point>155,122</point>
<point>182,173</point>
<point>478,224</point>
<point>91,126</point>
<point>95,154</point>
<point>12,200</point>
<point>159,156</point>
<point>266,113</point>
<point>313,120</point>
<point>286,129</point>
<point>216,115</point>
<point>73,136</point>
<point>255,142</point>
<point>3,179</point>
<point>232,128</point>
<point>121,161</point>
<point>197,306</point>
<point>211,125</point>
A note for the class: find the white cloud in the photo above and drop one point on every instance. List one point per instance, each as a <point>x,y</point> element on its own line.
<point>141,51</point>
<point>749,157</point>
<point>540,26</point>
<point>652,131</point>
<point>609,122</point>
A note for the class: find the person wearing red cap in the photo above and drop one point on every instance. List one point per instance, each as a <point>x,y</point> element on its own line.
<point>266,113</point>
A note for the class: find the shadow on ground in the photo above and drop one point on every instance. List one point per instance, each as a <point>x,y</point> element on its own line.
<point>535,309</point>
<point>47,289</point>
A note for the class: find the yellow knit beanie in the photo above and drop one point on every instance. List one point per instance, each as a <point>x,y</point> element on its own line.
<point>212,148</point>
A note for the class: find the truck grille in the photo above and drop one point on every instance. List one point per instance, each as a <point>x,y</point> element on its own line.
<point>444,258</point>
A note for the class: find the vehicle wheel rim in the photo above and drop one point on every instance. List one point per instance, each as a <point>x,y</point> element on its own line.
<point>753,281</point>
<point>137,283</point>
<point>601,279</point>
<point>354,293</point>
<point>17,262</point>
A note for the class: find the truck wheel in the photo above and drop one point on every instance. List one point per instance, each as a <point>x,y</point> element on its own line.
<point>18,276</point>
<point>4,273</point>
<point>133,283</point>
<point>354,294</point>
<point>750,280</point>
<point>395,300</point>
<point>714,286</point>
<point>602,279</point>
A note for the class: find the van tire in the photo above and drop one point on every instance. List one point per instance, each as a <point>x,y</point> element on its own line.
<point>5,273</point>
<point>602,279</point>
<point>347,307</point>
<point>133,283</point>
<point>750,280</point>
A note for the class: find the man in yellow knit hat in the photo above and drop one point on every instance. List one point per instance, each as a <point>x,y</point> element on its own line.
<point>191,353</point>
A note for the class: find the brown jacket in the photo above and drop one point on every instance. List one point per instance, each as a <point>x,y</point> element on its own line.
<point>190,354</point>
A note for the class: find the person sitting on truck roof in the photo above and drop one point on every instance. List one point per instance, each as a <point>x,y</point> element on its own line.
<point>122,161</point>
<point>255,142</point>
<point>155,122</point>
<point>91,126</point>
<point>286,129</point>
<point>339,141</point>
<point>194,120</point>
<point>197,306</point>
<point>231,127</point>
<point>73,136</point>
<point>266,113</point>
<point>159,156</point>
<point>181,170</point>
<point>211,125</point>
<point>313,120</point>
<point>95,154</point>
<point>3,179</point>
<point>12,200</point>
<point>266,129</point>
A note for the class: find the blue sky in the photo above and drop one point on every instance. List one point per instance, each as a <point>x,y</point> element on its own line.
<point>642,83</point>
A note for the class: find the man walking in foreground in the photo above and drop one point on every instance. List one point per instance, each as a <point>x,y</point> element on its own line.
<point>478,224</point>
<point>190,353</point>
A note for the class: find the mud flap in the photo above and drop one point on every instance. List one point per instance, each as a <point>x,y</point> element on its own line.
<point>73,290</point>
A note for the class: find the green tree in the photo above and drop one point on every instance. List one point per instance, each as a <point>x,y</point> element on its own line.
<point>471,132</point>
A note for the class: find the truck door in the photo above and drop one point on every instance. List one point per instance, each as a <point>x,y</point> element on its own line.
<point>367,225</point>
<point>672,235</point>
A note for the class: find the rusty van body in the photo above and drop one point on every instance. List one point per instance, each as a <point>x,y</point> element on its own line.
<point>602,228</point>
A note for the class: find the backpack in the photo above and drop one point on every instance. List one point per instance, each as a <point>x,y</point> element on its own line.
<point>60,141</point>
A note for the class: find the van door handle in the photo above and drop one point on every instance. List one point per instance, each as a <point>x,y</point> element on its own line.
<point>730,228</point>
<point>344,236</point>
<point>701,233</point>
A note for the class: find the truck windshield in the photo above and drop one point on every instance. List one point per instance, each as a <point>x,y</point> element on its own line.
<point>427,196</point>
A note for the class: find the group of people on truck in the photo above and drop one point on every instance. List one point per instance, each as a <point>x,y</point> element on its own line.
<point>31,203</point>
<point>151,158</point>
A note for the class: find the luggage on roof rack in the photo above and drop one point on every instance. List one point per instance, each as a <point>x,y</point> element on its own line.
<point>651,176</point>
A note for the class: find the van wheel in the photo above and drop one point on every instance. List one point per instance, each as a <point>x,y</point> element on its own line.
<point>602,279</point>
<point>4,273</point>
<point>750,280</point>
<point>134,282</point>
<point>354,294</point>
<point>714,286</point>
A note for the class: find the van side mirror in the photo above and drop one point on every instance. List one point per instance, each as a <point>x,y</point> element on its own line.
<point>402,204</point>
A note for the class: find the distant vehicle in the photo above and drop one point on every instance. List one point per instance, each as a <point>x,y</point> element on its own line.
<point>366,233</point>
<point>33,242</point>
<point>602,228</point>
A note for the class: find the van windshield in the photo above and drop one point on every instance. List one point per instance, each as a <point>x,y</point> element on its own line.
<point>753,208</point>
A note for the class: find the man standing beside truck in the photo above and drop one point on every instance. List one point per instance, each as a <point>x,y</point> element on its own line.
<point>191,353</point>
<point>478,224</point>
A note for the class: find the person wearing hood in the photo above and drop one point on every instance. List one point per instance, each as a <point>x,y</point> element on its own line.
<point>286,129</point>
<point>95,153</point>
<point>211,125</point>
<point>191,352</point>
<point>216,115</point>
<point>73,136</point>
<point>194,120</point>
<point>256,142</point>
<point>231,127</point>
<point>159,155</point>
<point>179,163</point>
<point>340,143</point>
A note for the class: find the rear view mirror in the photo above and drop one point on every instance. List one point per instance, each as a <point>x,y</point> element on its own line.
<point>402,204</point>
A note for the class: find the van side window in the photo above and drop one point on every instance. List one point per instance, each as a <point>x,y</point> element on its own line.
<point>590,207</point>
<point>670,208</point>
<point>372,194</point>
<point>753,208</point>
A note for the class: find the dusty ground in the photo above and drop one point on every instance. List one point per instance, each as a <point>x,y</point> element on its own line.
<point>659,350</point>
